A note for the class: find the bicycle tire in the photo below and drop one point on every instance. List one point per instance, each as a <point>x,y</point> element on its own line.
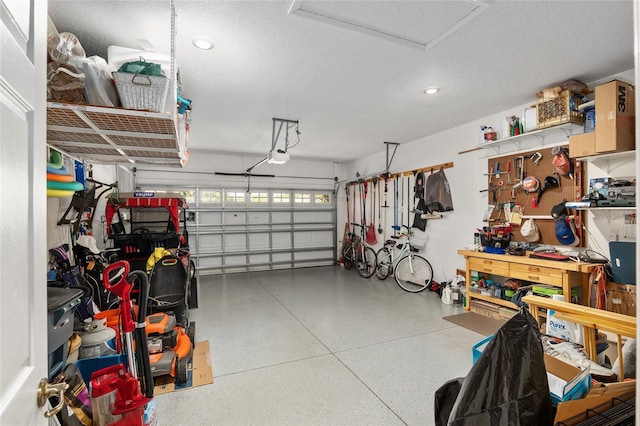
<point>366,262</point>
<point>383,260</point>
<point>419,279</point>
<point>347,256</point>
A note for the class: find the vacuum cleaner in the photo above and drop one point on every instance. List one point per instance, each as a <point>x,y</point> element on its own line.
<point>120,393</point>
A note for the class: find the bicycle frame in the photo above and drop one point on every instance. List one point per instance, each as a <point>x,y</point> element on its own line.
<point>358,253</point>
<point>395,258</point>
<point>404,252</point>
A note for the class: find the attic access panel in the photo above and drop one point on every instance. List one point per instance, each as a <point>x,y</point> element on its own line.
<point>418,24</point>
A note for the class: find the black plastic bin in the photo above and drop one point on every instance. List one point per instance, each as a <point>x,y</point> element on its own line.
<point>61,306</point>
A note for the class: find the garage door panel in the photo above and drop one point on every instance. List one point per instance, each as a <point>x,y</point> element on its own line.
<point>235,242</point>
<point>313,217</point>
<point>233,260</point>
<point>259,218</point>
<point>210,218</point>
<point>209,262</point>
<point>210,242</point>
<point>281,240</point>
<point>259,259</point>
<point>281,217</point>
<point>313,238</point>
<point>312,255</point>
<point>259,241</point>
<point>235,218</point>
<point>281,257</point>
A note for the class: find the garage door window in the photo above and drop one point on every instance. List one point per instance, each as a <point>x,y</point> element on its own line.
<point>210,197</point>
<point>281,198</point>
<point>234,197</point>
<point>302,197</point>
<point>260,197</point>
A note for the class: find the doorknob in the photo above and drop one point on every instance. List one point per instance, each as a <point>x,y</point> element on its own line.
<point>47,390</point>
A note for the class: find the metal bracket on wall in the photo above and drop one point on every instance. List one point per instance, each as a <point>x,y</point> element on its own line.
<point>389,160</point>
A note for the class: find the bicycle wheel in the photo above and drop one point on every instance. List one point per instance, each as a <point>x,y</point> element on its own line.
<point>383,259</point>
<point>413,273</point>
<point>347,256</point>
<point>366,262</point>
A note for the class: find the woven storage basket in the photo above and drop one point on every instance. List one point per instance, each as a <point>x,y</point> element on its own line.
<point>563,109</point>
<point>137,91</point>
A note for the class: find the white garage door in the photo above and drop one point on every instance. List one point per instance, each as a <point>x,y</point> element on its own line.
<point>232,230</point>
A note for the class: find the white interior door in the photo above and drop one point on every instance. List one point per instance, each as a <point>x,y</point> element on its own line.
<point>23,252</point>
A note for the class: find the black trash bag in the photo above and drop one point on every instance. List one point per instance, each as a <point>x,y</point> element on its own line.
<point>445,398</point>
<point>508,384</point>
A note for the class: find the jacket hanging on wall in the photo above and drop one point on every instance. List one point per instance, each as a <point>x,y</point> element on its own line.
<point>438,193</point>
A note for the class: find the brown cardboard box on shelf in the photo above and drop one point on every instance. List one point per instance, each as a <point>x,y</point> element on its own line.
<point>615,117</point>
<point>582,145</point>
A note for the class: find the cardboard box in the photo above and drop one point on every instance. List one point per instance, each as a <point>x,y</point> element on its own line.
<point>200,372</point>
<point>566,382</point>
<point>621,298</point>
<point>582,145</point>
<point>615,117</point>
<point>598,400</point>
<point>486,309</point>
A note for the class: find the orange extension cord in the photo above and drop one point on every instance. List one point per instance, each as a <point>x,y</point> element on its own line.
<point>598,285</point>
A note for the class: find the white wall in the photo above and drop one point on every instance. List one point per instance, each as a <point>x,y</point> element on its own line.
<point>444,237</point>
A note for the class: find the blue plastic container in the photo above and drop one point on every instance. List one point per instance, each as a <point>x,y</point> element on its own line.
<point>89,365</point>
<point>477,349</point>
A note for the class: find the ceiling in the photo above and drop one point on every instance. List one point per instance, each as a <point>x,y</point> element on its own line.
<point>353,72</point>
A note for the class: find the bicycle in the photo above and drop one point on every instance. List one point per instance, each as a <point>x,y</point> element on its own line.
<point>358,253</point>
<point>413,272</point>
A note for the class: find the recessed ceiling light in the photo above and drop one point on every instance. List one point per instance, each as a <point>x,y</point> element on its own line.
<point>432,90</point>
<point>202,43</point>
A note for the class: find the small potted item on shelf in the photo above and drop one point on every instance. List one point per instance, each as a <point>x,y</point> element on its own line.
<point>488,134</point>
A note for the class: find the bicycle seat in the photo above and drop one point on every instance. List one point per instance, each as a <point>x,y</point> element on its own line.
<point>390,243</point>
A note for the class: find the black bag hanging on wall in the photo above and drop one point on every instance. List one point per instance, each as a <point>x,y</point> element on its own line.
<point>438,193</point>
<point>418,189</point>
<point>418,221</point>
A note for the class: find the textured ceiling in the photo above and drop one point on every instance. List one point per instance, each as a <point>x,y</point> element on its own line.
<point>353,74</point>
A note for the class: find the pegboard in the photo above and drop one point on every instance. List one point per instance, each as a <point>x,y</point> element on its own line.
<point>507,188</point>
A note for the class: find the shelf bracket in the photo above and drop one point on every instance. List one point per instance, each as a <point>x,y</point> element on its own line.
<point>389,160</point>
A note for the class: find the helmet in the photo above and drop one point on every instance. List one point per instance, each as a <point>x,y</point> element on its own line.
<point>530,184</point>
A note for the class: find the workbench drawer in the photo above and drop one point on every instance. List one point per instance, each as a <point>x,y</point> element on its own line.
<point>537,274</point>
<point>495,267</point>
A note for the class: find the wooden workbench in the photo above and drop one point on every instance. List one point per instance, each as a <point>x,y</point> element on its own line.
<point>566,275</point>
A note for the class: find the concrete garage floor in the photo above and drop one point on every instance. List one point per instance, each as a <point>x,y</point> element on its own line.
<point>319,346</point>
